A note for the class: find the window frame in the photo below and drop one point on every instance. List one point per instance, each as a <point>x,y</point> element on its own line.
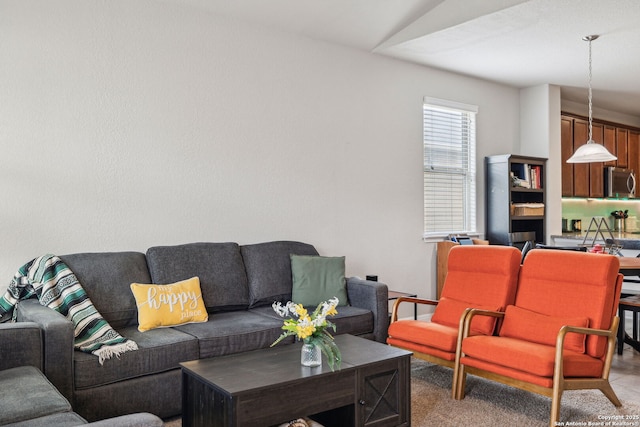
<point>461,164</point>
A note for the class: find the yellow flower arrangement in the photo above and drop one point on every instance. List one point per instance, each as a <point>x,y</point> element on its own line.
<point>311,328</point>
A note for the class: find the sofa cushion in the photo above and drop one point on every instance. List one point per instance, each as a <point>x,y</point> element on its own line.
<point>61,419</point>
<point>268,267</point>
<point>353,320</point>
<point>218,265</point>
<point>106,278</point>
<point>531,326</point>
<point>349,320</point>
<point>28,394</point>
<point>21,344</point>
<point>159,350</point>
<point>317,279</point>
<point>160,306</point>
<point>233,332</point>
<point>449,310</point>
<point>159,394</point>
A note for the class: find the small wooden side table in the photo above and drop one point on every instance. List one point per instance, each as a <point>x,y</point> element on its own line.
<point>394,295</point>
<point>628,303</point>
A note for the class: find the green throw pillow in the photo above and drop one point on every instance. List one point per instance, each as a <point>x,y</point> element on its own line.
<point>317,279</point>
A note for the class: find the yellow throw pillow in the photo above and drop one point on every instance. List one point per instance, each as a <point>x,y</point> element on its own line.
<point>161,306</point>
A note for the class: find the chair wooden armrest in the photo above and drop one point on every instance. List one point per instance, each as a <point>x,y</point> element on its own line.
<point>465,319</point>
<point>581,330</point>
<point>413,300</point>
<point>610,333</point>
<point>463,332</point>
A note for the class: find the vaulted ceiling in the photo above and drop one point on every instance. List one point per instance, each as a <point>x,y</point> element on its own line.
<point>521,43</point>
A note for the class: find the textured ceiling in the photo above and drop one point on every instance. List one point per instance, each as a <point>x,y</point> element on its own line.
<point>517,42</point>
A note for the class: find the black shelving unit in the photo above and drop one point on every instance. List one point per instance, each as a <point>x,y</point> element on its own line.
<point>514,183</point>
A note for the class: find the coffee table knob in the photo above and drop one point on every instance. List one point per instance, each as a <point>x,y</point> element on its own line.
<point>362,402</point>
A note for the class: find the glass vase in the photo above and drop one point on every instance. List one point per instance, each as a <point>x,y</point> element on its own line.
<point>310,355</point>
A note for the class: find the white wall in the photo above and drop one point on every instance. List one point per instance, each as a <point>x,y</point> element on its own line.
<point>540,137</point>
<point>125,125</point>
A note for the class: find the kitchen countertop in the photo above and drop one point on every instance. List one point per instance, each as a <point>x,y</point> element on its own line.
<point>626,240</point>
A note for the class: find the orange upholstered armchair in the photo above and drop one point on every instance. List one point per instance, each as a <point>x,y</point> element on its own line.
<point>559,335</point>
<point>478,276</point>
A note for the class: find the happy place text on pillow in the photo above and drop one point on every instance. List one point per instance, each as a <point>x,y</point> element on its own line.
<point>156,298</point>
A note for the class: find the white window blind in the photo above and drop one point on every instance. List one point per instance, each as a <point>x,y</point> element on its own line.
<point>449,167</point>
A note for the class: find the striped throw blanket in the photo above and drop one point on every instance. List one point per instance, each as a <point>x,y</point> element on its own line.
<point>56,287</point>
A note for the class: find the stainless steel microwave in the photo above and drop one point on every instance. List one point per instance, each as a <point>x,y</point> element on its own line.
<point>619,182</point>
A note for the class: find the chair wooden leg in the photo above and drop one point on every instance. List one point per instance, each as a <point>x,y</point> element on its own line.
<point>556,401</point>
<point>611,395</point>
<point>555,409</point>
<point>454,383</point>
<point>461,381</point>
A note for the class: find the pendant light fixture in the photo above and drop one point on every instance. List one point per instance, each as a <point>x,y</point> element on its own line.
<point>591,151</point>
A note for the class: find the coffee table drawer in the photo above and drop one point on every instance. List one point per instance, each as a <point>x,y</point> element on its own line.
<point>313,395</point>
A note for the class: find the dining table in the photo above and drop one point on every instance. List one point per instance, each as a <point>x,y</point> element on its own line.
<point>630,266</point>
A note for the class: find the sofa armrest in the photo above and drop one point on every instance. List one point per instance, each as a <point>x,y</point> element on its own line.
<point>372,296</point>
<point>21,345</point>
<point>142,419</point>
<point>57,338</point>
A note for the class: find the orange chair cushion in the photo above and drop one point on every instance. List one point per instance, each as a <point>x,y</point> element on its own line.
<point>422,349</point>
<point>539,328</point>
<point>486,275</point>
<point>425,334</point>
<point>449,310</point>
<point>528,358</point>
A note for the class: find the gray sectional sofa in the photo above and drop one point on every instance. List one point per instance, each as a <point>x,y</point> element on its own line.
<point>28,397</point>
<point>239,284</point>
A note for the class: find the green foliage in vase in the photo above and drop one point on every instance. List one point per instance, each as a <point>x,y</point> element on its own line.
<point>311,328</point>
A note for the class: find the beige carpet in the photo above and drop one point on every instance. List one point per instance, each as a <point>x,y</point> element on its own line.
<point>492,404</point>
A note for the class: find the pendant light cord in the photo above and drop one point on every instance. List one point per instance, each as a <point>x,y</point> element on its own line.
<point>590,95</point>
<point>591,152</point>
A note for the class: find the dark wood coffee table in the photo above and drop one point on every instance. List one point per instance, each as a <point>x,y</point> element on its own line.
<point>270,386</point>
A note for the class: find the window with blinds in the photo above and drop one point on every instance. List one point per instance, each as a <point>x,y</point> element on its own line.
<point>449,167</point>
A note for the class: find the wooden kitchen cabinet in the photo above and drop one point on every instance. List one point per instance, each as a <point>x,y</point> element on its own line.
<point>587,179</point>
<point>566,135</point>
<point>596,170</point>
<point>580,170</point>
<point>580,179</point>
<point>621,147</point>
<point>610,143</point>
<point>633,152</point>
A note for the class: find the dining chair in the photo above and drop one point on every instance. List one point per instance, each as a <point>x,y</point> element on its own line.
<point>525,250</point>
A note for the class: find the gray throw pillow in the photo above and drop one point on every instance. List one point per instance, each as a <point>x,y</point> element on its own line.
<point>317,279</point>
